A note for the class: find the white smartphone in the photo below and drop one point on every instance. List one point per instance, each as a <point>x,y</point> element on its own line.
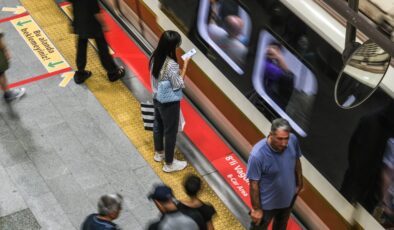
<point>189,54</point>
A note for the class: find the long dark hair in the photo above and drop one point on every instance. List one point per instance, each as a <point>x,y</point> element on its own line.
<point>168,43</point>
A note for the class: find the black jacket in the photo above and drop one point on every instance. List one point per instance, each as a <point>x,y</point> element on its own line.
<point>85,23</point>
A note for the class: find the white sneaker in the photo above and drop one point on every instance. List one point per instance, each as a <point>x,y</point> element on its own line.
<point>13,94</point>
<point>158,157</point>
<point>176,165</point>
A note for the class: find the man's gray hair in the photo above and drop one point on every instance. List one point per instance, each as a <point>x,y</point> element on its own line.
<point>109,203</point>
<point>280,123</point>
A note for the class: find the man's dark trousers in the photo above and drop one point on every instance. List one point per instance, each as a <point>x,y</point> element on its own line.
<point>280,216</point>
<point>103,51</point>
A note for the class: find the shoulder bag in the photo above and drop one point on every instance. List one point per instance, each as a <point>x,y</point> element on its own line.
<point>165,93</point>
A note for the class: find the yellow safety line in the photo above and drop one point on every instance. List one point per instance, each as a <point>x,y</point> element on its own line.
<point>121,105</point>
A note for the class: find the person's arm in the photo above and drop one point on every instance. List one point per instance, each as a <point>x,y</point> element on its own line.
<point>185,63</point>
<point>100,18</point>
<point>210,225</point>
<point>385,185</point>
<point>257,212</point>
<point>299,178</point>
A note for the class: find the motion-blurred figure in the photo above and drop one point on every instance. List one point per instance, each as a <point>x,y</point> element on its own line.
<point>173,218</point>
<point>228,39</point>
<point>9,94</point>
<point>192,186</point>
<point>367,145</point>
<point>387,201</point>
<point>89,23</point>
<point>278,79</point>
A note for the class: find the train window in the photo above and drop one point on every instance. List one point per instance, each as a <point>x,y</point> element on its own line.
<point>226,27</point>
<point>282,80</point>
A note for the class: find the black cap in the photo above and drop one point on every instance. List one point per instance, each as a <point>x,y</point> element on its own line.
<point>161,193</point>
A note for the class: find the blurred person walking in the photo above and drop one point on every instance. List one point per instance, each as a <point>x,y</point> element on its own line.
<point>109,207</point>
<point>167,84</point>
<point>192,187</point>
<point>89,23</point>
<point>275,177</point>
<point>172,218</point>
<point>9,94</point>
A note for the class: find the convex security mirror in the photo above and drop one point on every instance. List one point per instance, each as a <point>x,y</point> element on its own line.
<point>361,75</point>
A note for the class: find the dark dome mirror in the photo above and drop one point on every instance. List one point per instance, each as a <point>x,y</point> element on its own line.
<point>362,74</point>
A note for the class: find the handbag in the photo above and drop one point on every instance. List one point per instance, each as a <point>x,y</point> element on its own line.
<point>148,115</point>
<point>4,64</point>
<point>165,93</point>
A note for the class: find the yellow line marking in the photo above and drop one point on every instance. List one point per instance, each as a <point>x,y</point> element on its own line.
<point>37,40</point>
<point>68,10</point>
<point>15,10</point>
<point>66,79</point>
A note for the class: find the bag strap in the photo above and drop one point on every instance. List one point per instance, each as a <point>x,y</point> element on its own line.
<point>163,68</point>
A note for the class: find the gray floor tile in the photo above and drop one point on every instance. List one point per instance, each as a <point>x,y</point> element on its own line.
<point>49,213</point>
<point>28,180</point>
<point>146,215</point>
<point>87,174</point>
<point>127,184</point>
<point>146,178</point>
<point>66,144</point>
<point>94,193</point>
<point>127,221</point>
<point>71,198</point>
<point>48,164</point>
<point>11,151</point>
<point>10,199</point>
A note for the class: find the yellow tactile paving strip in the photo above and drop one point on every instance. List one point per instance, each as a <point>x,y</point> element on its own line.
<point>120,104</point>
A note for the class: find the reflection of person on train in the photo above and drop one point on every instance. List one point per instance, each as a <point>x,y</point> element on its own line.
<point>278,79</point>
<point>220,9</point>
<point>365,160</point>
<point>228,39</point>
<point>387,219</point>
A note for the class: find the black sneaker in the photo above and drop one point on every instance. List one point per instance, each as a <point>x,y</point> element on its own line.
<point>121,72</point>
<point>13,94</point>
<point>81,76</point>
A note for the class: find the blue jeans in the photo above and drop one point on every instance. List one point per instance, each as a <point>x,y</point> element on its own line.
<point>165,128</point>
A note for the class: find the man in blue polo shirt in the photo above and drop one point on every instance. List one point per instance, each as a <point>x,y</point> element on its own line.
<point>275,177</point>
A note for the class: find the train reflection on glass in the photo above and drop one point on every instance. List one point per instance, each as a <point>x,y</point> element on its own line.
<point>284,82</point>
<point>225,26</point>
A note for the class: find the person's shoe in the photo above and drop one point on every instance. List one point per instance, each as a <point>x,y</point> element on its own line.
<point>13,94</point>
<point>81,76</point>
<point>158,157</point>
<point>176,165</point>
<point>120,72</point>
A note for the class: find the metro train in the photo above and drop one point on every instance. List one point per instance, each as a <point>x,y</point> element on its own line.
<point>259,60</point>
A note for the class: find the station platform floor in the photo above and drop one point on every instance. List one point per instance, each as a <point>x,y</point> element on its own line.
<point>64,145</point>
